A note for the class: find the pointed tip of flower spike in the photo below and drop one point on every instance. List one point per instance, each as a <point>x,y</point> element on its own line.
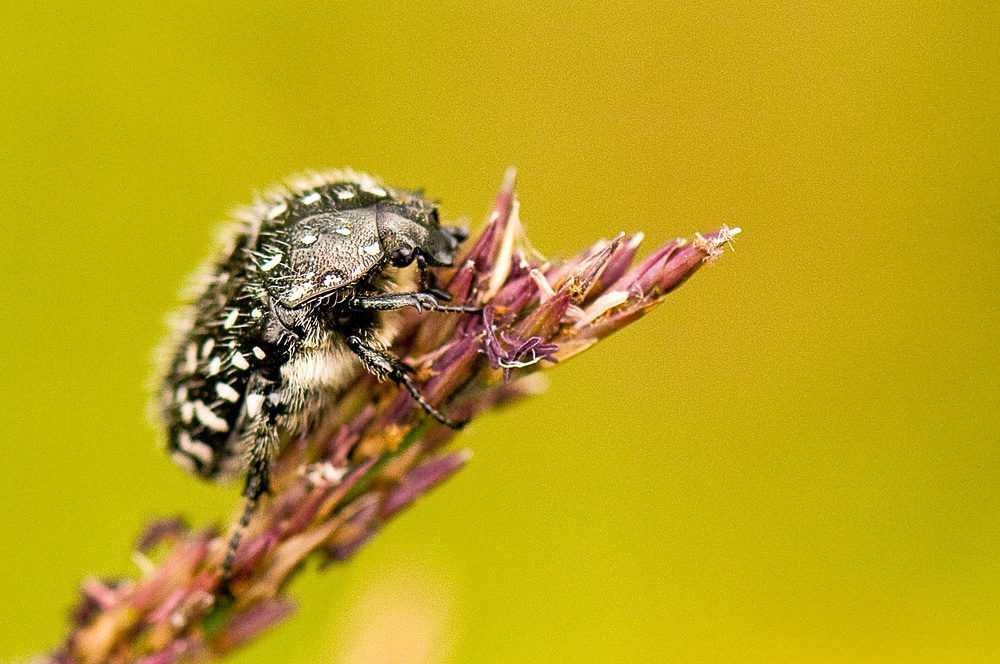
<point>641,287</point>
<point>712,244</point>
<point>509,176</point>
<point>619,261</point>
<point>681,264</point>
<point>586,274</point>
<point>484,258</point>
<point>503,262</point>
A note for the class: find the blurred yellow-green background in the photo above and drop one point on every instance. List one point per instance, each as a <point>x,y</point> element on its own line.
<point>794,460</point>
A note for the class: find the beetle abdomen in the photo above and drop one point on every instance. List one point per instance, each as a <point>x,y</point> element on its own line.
<point>203,399</point>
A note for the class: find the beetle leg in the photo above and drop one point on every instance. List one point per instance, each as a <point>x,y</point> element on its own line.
<point>382,363</point>
<point>249,509</point>
<point>258,476</point>
<point>399,300</point>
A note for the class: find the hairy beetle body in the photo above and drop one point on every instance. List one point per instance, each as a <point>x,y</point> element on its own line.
<point>296,303</point>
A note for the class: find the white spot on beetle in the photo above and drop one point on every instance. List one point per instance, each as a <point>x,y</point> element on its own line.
<point>258,353</point>
<point>309,199</point>
<point>214,365</point>
<point>231,318</point>
<point>254,402</point>
<point>372,249</point>
<point>344,230</point>
<point>187,412</point>
<point>301,291</point>
<point>191,358</point>
<point>308,239</point>
<point>226,391</point>
<point>240,362</point>
<point>372,189</point>
<point>195,448</point>
<point>344,194</point>
<point>271,262</point>
<point>181,394</point>
<point>255,313</point>
<point>206,348</point>
<point>277,210</point>
<point>208,417</point>
<point>184,461</point>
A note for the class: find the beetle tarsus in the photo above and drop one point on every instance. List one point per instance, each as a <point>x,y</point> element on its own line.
<point>234,542</point>
<point>257,484</point>
<point>407,382</point>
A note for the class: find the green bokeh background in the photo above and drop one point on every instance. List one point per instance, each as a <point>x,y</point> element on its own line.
<point>794,459</point>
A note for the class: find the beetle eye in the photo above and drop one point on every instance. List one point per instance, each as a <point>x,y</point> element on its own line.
<point>402,256</point>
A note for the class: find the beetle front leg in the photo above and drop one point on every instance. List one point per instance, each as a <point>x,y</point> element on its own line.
<point>381,363</point>
<point>418,300</point>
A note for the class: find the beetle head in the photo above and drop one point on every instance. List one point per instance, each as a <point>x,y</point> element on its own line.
<point>408,231</point>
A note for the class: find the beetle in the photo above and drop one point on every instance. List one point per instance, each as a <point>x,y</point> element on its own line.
<point>298,300</point>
